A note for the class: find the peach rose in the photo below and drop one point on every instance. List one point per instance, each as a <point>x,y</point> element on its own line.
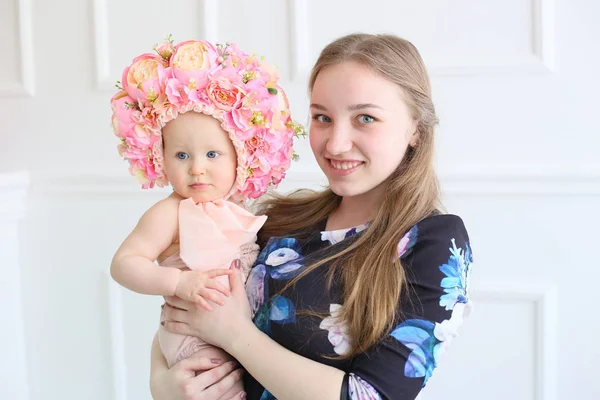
<point>140,80</point>
<point>191,62</point>
<point>224,94</point>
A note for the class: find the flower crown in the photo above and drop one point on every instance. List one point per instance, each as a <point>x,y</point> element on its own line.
<point>238,89</point>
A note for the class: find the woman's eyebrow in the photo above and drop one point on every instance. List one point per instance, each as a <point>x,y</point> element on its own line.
<point>352,107</point>
<point>355,107</point>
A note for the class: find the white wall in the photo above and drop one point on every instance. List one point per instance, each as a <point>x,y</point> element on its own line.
<point>13,367</point>
<point>516,86</point>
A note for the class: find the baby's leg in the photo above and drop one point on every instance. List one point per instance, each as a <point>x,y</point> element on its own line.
<point>215,352</point>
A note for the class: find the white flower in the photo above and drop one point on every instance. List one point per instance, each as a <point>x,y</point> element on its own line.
<point>281,256</point>
<point>447,330</point>
<point>338,331</point>
<point>337,236</point>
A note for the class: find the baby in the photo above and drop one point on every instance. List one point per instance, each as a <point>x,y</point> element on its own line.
<point>211,121</point>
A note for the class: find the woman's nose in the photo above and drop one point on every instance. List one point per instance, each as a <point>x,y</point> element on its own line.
<point>339,141</point>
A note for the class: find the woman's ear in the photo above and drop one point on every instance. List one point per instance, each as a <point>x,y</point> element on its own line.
<point>413,134</point>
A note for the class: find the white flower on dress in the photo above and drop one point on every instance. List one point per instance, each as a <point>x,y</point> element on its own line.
<point>337,236</point>
<point>338,331</point>
<point>281,256</point>
<point>447,330</point>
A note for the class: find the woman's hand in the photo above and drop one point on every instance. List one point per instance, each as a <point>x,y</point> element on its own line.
<point>181,383</point>
<point>220,327</point>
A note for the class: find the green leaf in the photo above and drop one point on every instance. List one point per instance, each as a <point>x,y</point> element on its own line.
<point>272,90</point>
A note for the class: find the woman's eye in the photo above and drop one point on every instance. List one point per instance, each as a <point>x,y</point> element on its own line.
<point>182,156</point>
<point>322,118</point>
<point>212,154</point>
<point>365,119</point>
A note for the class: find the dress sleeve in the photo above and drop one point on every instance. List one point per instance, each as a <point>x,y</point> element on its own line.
<point>436,255</point>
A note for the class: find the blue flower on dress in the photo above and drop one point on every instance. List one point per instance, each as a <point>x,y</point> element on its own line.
<point>267,396</point>
<point>418,336</point>
<point>261,320</point>
<point>457,272</point>
<point>428,340</point>
<point>282,310</point>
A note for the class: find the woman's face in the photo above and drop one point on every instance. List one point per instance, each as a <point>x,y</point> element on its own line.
<point>360,129</point>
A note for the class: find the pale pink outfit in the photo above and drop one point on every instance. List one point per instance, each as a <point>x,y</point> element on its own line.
<point>211,235</point>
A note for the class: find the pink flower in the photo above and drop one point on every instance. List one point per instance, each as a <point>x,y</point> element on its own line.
<point>259,162</point>
<point>256,186</point>
<point>132,153</point>
<point>239,119</point>
<point>260,96</point>
<point>144,171</point>
<point>140,137</point>
<point>141,79</point>
<point>164,108</point>
<point>176,93</point>
<point>271,71</point>
<point>233,75</point>
<point>191,62</point>
<point>122,120</point>
<point>281,113</point>
<point>275,139</point>
<point>257,143</point>
<point>224,94</point>
<point>165,50</point>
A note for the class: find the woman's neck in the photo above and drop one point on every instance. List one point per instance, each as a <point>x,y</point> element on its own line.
<point>353,211</point>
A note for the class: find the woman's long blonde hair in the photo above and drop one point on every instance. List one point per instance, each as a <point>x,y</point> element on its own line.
<point>372,275</point>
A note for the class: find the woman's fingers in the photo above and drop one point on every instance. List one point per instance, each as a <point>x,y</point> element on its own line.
<point>213,273</point>
<point>235,280</point>
<point>178,327</point>
<point>214,284</point>
<point>172,314</point>
<point>176,302</point>
<point>197,363</point>
<point>226,382</point>
<point>212,295</point>
<point>214,375</point>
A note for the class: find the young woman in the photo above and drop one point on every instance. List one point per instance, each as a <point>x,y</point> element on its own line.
<point>358,289</point>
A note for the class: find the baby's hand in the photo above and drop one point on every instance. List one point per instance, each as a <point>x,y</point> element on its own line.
<point>199,286</point>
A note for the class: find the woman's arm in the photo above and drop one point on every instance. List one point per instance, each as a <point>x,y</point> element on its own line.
<point>181,383</point>
<point>287,375</point>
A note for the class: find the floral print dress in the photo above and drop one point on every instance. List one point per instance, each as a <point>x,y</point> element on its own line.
<point>437,258</point>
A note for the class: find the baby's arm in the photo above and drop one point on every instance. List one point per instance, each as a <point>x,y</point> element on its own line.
<point>133,264</point>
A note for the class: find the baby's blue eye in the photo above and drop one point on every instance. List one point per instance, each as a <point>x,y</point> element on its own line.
<point>182,156</point>
<point>212,154</point>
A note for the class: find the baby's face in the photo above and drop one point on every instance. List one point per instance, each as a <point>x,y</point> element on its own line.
<point>199,158</point>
